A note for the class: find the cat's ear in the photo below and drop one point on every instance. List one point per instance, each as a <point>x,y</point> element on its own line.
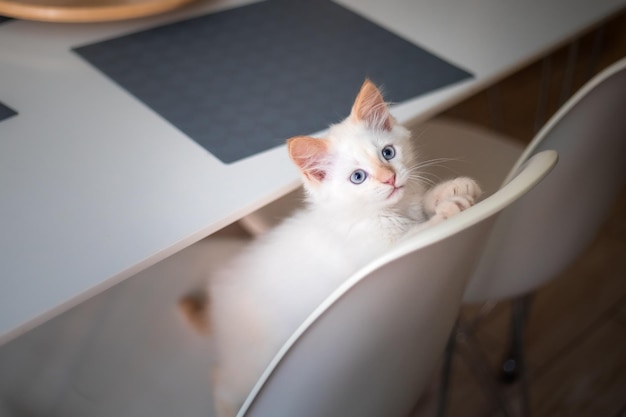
<point>370,108</point>
<point>310,155</point>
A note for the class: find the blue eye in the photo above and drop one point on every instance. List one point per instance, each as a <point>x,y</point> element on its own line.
<point>388,152</point>
<point>358,176</point>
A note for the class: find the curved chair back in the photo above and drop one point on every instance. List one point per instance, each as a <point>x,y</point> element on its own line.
<point>538,236</point>
<point>370,348</point>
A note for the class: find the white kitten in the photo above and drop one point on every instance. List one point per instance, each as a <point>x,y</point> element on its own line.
<point>363,195</point>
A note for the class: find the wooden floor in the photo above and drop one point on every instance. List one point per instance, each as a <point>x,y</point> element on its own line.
<point>576,343</point>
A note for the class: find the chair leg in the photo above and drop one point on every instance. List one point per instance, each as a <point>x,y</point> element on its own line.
<point>514,364</point>
<point>446,374</point>
<point>476,361</point>
<point>510,368</point>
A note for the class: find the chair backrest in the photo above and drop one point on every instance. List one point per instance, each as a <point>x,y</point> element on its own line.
<point>538,236</point>
<point>369,349</point>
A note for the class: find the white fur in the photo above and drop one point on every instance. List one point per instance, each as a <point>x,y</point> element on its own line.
<point>261,298</point>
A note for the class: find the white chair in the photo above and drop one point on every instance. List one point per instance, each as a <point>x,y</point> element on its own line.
<point>537,237</point>
<point>371,347</point>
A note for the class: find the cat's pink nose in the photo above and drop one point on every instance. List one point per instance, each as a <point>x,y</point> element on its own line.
<point>391,180</point>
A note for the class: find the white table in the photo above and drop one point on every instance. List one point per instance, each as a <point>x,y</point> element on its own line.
<point>91,196</point>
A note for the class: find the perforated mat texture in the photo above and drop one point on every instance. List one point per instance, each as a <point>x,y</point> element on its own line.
<point>244,80</point>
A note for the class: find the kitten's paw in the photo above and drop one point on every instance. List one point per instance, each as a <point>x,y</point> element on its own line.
<point>453,205</point>
<point>452,197</point>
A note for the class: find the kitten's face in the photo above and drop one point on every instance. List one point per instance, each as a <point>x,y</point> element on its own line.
<point>363,164</point>
<point>368,169</point>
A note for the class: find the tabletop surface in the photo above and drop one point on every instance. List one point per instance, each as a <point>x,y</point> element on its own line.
<point>97,185</point>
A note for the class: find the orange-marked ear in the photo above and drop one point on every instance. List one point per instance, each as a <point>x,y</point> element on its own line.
<point>310,155</point>
<point>370,107</point>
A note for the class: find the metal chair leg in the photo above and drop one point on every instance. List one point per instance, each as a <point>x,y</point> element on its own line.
<point>446,374</point>
<point>474,358</point>
<point>462,340</point>
<point>513,367</point>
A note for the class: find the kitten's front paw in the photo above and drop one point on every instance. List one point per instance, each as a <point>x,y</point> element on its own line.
<point>452,197</point>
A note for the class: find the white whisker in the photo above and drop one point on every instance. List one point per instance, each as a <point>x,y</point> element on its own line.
<point>436,162</point>
<point>422,179</point>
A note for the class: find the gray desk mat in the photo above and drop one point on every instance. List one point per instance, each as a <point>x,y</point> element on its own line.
<point>4,19</point>
<point>6,112</point>
<point>241,81</point>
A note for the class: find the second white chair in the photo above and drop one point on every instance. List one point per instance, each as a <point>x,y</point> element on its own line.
<point>536,238</point>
